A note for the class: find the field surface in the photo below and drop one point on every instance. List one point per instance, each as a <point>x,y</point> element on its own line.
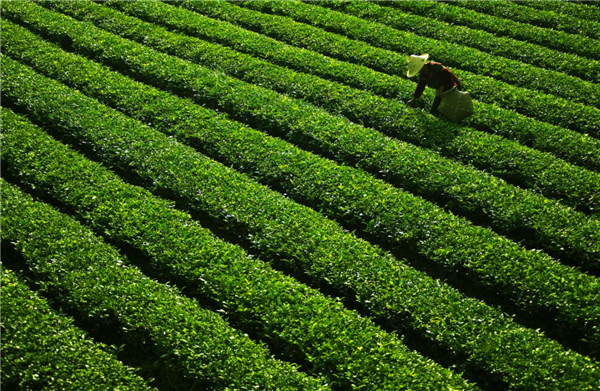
<point>235,195</point>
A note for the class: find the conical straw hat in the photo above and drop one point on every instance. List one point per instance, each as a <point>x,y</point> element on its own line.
<point>415,63</point>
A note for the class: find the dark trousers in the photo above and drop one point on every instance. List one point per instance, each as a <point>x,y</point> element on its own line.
<point>438,100</point>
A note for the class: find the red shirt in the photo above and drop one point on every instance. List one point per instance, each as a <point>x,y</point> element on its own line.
<point>435,75</point>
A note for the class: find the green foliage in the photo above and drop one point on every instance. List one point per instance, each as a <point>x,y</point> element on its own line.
<point>42,350</point>
<point>430,27</point>
<point>193,346</point>
<point>557,229</point>
<point>277,227</point>
<point>576,9</point>
<point>272,112</point>
<point>497,94</point>
<point>553,39</point>
<point>299,323</point>
<point>547,19</point>
<point>569,145</point>
<point>454,55</point>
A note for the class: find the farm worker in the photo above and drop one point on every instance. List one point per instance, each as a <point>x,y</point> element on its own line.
<point>432,74</point>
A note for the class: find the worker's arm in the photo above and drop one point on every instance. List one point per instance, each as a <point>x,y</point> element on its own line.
<point>418,92</point>
<point>420,88</point>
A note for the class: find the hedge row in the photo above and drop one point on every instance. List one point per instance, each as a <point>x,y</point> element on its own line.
<point>529,168</point>
<point>430,27</point>
<point>278,228</point>
<point>191,346</point>
<point>554,228</point>
<point>300,324</point>
<point>590,3</point>
<point>553,39</point>
<point>563,143</point>
<point>543,107</point>
<point>546,19</point>
<point>127,223</point>
<point>42,350</point>
<point>510,71</point>
<point>579,10</point>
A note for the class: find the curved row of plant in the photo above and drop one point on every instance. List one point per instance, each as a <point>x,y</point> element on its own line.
<point>558,230</point>
<point>553,39</point>
<point>430,27</point>
<point>577,10</point>
<point>192,346</point>
<point>521,165</point>
<point>42,350</point>
<point>547,19</point>
<point>544,107</point>
<point>299,322</point>
<point>278,228</point>
<point>569,145</point>
<point>510,71</point>
<point>236,283</point>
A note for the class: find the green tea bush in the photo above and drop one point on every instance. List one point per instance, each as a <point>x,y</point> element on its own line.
<point>553,39</point>
<point>194,347</point>
<point>430,27</point>
<point>563,143</point>
<point>274,225</point>
<point>550,226</point>
<point>578,9</point>
<point>462,333</point>
<point>432,229</point>
<point>42,350</point>
<point>546,19</point>
<point>280,114</point>
<point>544,107</point>
<point>299,323</point>
<point>510,71</point>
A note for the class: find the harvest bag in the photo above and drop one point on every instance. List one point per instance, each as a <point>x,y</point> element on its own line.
<point>455,105</point>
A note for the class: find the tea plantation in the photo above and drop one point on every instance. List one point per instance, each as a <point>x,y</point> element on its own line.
<point>235,195</point>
